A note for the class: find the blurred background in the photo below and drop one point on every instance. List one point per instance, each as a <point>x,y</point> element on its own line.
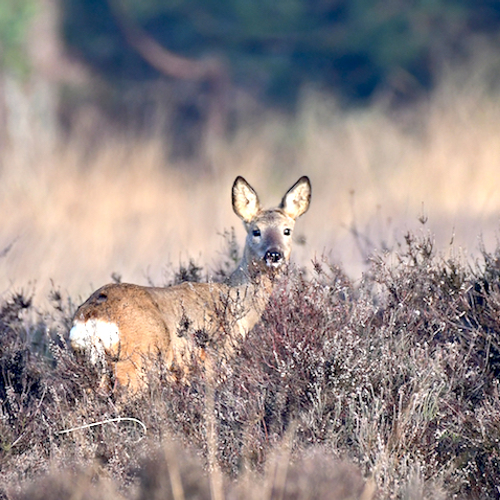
<point>123,124</point>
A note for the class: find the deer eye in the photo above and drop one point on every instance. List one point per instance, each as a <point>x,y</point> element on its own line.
<point>287,232</point>
<point>256,233</point>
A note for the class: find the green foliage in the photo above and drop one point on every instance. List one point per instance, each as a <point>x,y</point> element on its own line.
<point>15,16</point>
<point>355,46</point>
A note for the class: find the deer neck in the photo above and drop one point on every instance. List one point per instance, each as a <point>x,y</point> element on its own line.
<point>253,276</point>
<point>251,287</point>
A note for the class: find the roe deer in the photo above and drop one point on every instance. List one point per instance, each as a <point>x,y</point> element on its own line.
<point>126,323</point>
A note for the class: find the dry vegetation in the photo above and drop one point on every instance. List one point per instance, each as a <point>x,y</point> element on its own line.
<point>387,388</point>
<point>384,385</point>
<point>74,215</point>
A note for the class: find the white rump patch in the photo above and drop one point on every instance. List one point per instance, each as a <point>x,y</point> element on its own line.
<point>94,337</point>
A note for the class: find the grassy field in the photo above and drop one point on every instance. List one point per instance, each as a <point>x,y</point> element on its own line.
<point>374,374</point>
<point>74,216</point>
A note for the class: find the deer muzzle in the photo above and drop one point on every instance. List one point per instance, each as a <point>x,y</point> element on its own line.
<point>274,257</point>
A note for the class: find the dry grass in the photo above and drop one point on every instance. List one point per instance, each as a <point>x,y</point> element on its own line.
<point>386,388</point>
<point>76,216</point>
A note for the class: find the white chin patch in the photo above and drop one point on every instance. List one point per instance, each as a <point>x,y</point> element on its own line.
<point>94,337</point>
<point>274,265</point>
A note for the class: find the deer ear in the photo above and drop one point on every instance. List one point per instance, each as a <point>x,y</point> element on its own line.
<point>296,200</point>
<point>246,203</point>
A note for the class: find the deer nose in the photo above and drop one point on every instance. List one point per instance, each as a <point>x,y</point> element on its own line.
<point>273,257</point>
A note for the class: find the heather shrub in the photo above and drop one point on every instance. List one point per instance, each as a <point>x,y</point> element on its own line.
<point>387,384</point>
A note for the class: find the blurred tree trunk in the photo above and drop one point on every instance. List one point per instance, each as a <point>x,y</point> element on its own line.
<point>211,72</point>
<point>29,104</point>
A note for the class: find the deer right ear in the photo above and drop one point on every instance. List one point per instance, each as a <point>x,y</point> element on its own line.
<point>296,200</point>
<point>246,203</point>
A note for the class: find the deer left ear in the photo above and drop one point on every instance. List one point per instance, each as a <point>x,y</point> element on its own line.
<point>246,203</point>
<point>296,200</point>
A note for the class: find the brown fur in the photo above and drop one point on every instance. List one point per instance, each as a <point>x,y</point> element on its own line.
<point>179,321</point>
